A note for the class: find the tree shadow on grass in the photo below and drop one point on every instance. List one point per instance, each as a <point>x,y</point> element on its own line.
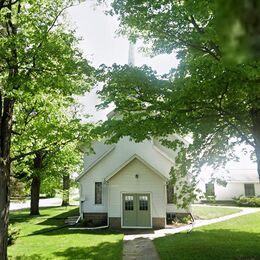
<point>64,230</point>
<point>210,244</point>
<point>23,215</point>
<point>56,226</point>
<point>103,250</point>
<point>23,257</point>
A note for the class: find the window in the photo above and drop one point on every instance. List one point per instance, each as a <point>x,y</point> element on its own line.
<point>98,192</point>
<point>129,202</point>
<point>210,189</point>
<point>143,202</point>
<point>170,193</point>
<point>249,190</point>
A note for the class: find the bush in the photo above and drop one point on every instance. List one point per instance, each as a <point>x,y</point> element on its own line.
<point>247,201</point>
<point>185,220</point>
<point>210,198</point>
<point>13,234</point>
<point>175,218</point>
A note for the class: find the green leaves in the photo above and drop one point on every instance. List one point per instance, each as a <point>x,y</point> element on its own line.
<point>209,97</point>
<point>43,51</point>
<point>43,70</point>
<point>50,125</point>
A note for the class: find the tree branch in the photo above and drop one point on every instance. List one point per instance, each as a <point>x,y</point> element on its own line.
<point>15,133</point>
<point>45,148</point>
<point>30,70</point>
<point>194,23</point>
<point>3,5</point>
<point>242,135</point>
<point>201,48</point>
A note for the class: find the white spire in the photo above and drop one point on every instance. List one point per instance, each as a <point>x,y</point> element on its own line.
<point>131,54</point>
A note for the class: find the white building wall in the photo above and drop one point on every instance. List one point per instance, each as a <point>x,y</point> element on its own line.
<point>100,149</point>
<point>119,154</point>
<point>257,189</point>
<point>124,150</point>
<point>147,182</point>
<point>231,190</point>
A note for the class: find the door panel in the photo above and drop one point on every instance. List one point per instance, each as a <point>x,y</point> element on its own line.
<point>143,210</point>
<point>136,210</point>
<point>129,210</point>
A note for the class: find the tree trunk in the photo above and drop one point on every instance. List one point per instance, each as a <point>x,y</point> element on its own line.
<point>256,134</point>
<point>36,184</point>
<point>35,195</point>
<point>5,139</point>
<point>66,188</point>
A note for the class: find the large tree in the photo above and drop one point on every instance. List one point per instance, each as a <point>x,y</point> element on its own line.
<point>46,134</point>
<point>213,95</point>
<point>36,51</point>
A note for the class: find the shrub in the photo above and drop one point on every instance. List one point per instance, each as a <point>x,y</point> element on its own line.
<point>247,201</point>
<point>209,197</point>
<point>13,234</point>
<point>185,220</point>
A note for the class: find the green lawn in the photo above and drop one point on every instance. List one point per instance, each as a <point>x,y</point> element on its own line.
<point>238,238</point>
<point>204,212</point>
<point>60,243</point>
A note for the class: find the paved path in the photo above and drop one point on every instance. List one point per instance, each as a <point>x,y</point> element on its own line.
<point>43,203</point>
<point>139,245</point>
<point>217,205</point>
<point>139,249</point>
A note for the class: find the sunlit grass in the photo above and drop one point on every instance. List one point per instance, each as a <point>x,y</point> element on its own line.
<point>44,237</point>
<point>238,238</point>
<point>204,212</point>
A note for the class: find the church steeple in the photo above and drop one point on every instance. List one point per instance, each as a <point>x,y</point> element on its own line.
<point>131,54</point>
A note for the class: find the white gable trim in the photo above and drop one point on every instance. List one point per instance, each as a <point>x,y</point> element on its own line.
<point>96,162</point>
<point>163,153</point>
<point>245,181</point>
<point>135,156</point>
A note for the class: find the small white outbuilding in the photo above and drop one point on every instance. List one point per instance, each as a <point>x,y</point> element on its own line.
<point>238,182</point>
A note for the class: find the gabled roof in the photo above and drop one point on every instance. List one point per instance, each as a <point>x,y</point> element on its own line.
<point>161,162</point>
<point>243,175</point>
<point>103,155</point>
<point>135,156</point>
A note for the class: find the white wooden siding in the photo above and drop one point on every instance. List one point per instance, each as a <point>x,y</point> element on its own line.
<point>147,182</point>
<point>124,150</point>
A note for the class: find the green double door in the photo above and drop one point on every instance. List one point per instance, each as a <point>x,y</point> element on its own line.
<point>136,210</point>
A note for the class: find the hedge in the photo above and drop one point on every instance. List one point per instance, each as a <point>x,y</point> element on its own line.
<point>247,201</point>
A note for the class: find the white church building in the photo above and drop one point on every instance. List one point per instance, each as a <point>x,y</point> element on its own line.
<point>124,185</point>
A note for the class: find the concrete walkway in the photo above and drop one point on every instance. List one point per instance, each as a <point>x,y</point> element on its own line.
<point>139,248</point>
<point>139,245</point>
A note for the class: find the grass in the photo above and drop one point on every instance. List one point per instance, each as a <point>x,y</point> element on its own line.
<point>44,238</point>
<point>204,212</point>
<point>238,238</point>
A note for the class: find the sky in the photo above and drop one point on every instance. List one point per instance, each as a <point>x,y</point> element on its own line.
<point>101,45</point>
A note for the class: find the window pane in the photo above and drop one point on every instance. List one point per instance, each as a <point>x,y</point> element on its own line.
<point>143,202</point>
<point>129,202</point>
<point>249,190</point>
<point>98,192</point>
<point>210,190</point>
<point>170,193</point>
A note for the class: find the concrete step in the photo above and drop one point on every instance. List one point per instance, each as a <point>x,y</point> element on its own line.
<point>72,220</point>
